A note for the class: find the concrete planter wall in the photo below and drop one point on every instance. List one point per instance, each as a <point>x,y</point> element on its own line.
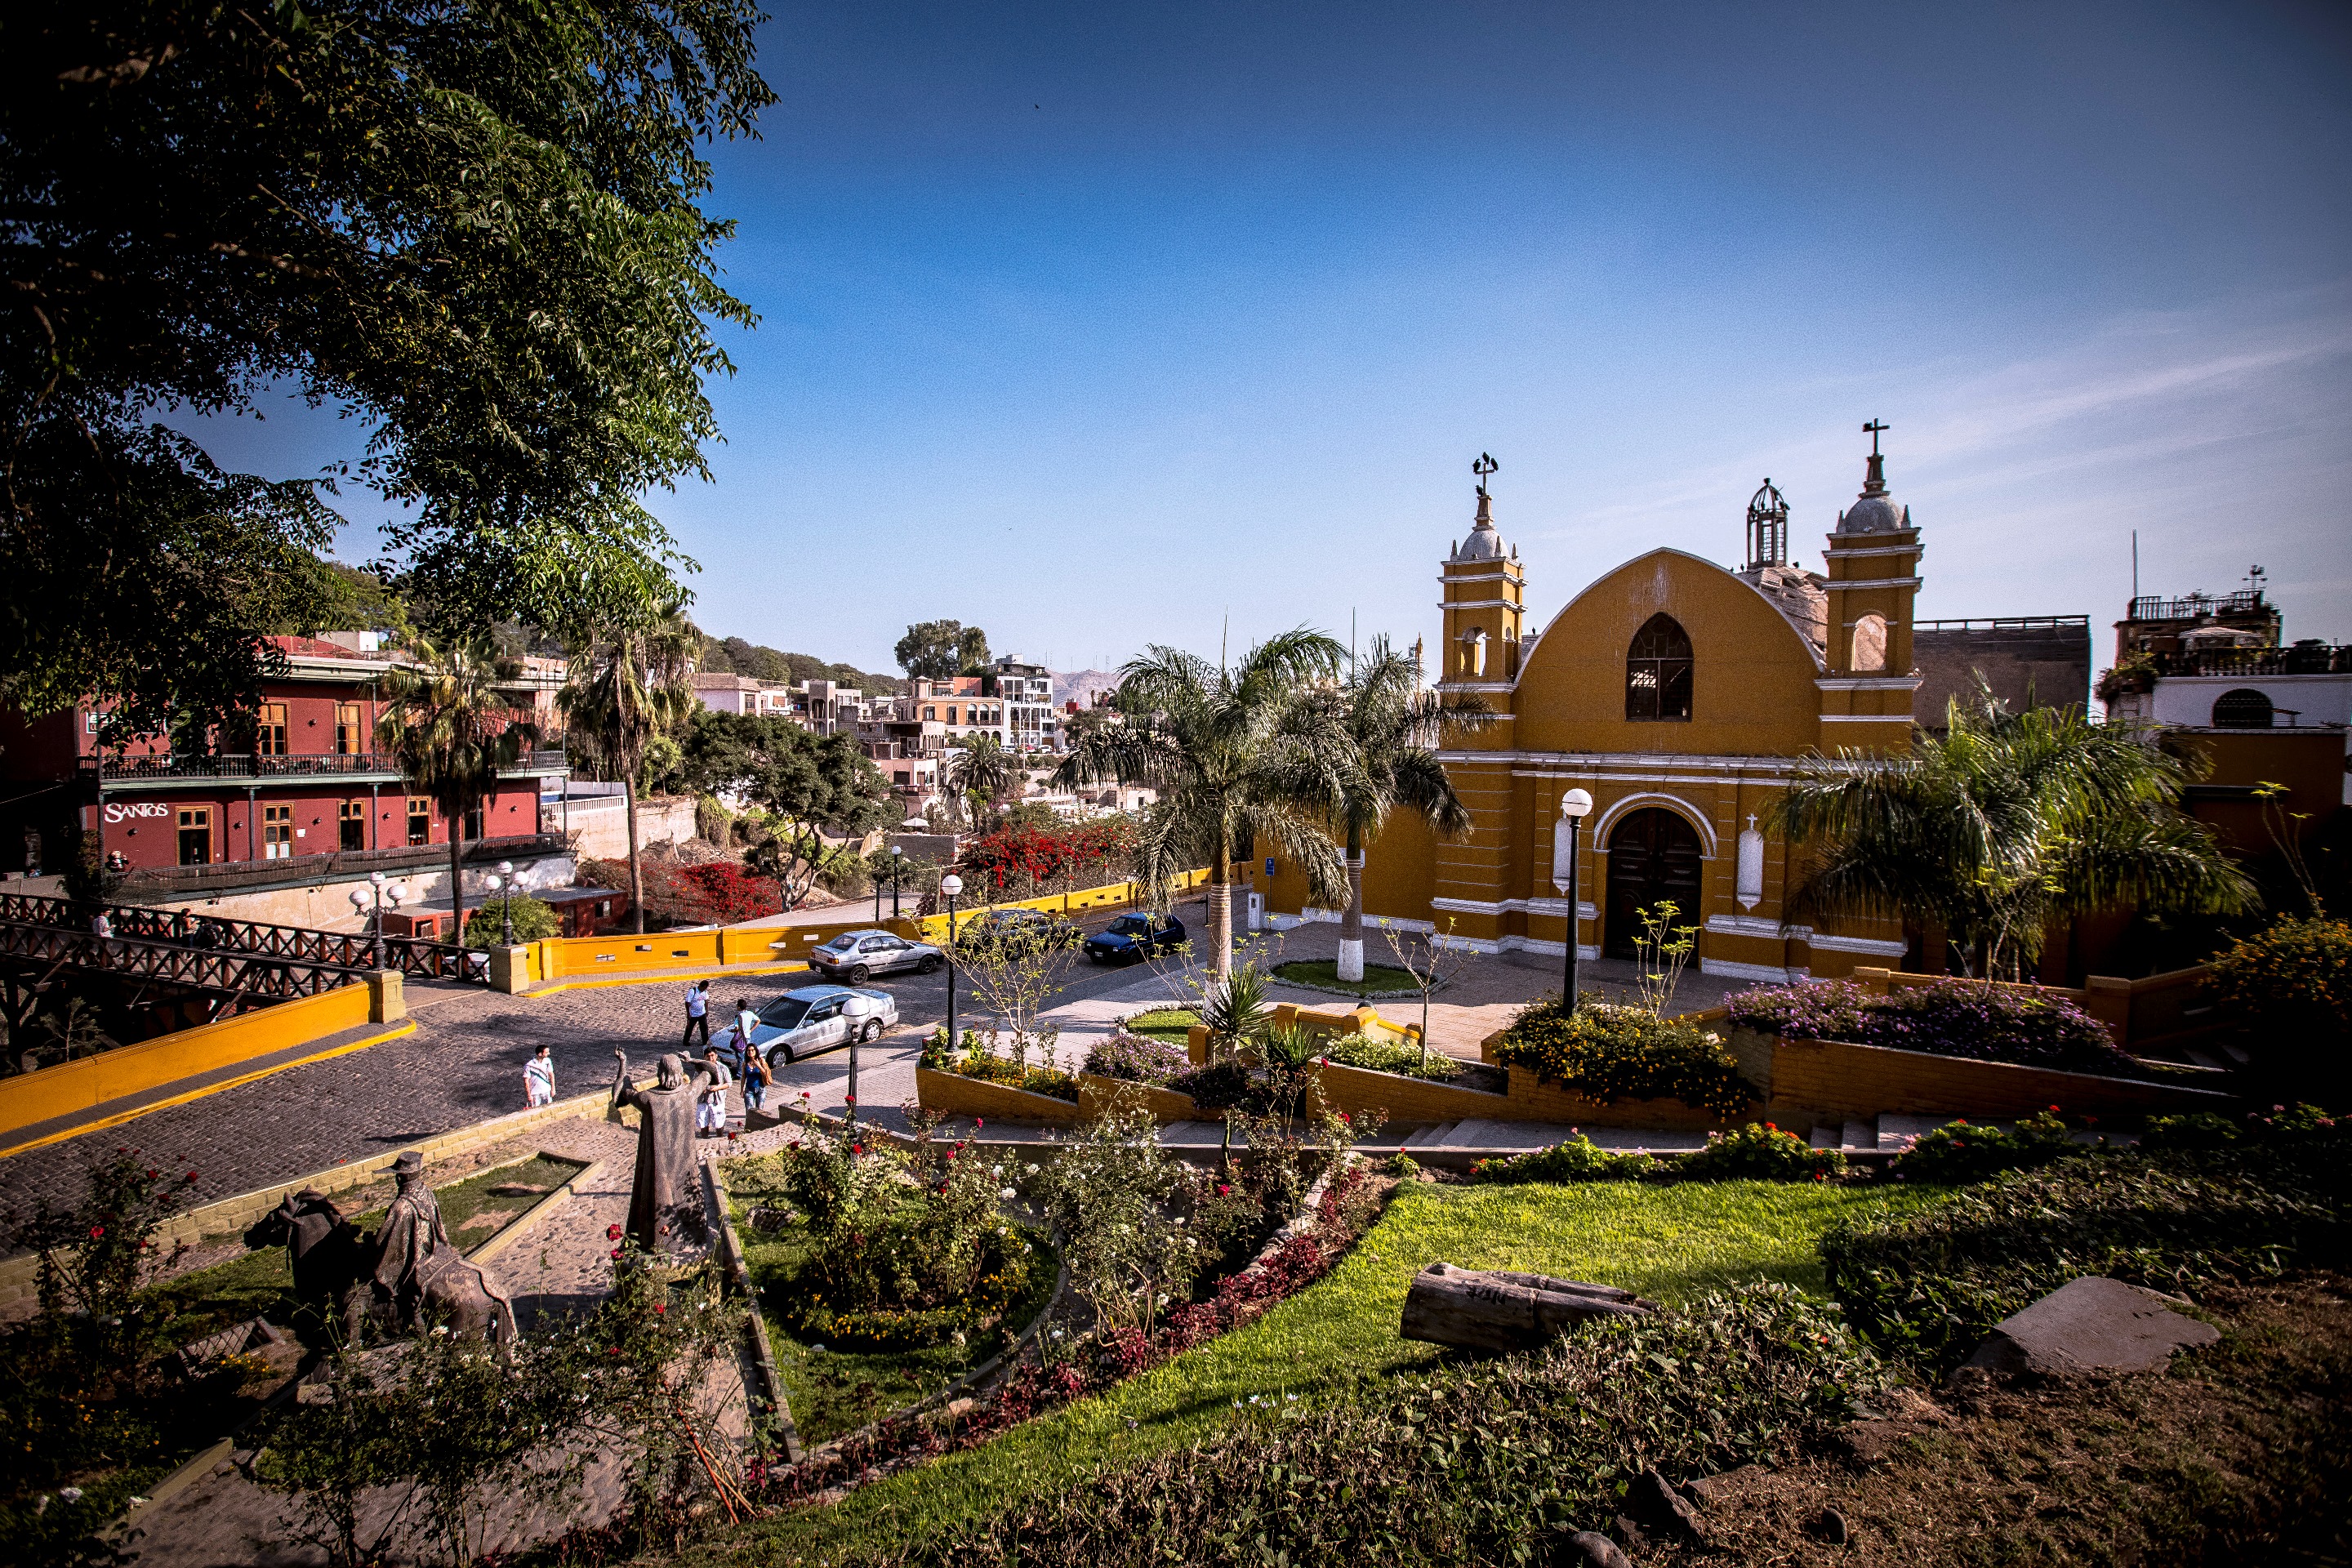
<point>953,1094</point>
<point>1838,1078</point>
<point>1095,1094</point>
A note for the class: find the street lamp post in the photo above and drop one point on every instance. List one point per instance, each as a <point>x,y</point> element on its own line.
<point>949,886</point>
<point>897,869</point>
<point>506,905</point>
<point>1573,808</point>
<point>856,1009</point>
<point>370,902</point>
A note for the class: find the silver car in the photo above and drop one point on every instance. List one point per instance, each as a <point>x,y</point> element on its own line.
<point>811,1019</point>
<point>855,956</point>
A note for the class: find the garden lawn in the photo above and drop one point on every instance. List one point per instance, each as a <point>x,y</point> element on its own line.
<point>1173,1025</point>
<point>1670,1243</point>
<point>1380,979</point>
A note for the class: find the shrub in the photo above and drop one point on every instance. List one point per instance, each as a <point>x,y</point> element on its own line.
<point>1760,1151</point>
<point>1958,1153</point>
<point>1220,1086</point>
<point>1382,1056</point>
<point>1932,1284</point>
<point>486,926</point>
<point>2204,1130</point>
<point>977,1060</point>
<point>1403,1166</point>
<point>1479,1460</point>
<point>1972,1019</point>
<point>1137,1058</point>
<point>1607,1053</point>
<point>1577,1160</point>
<point>724,893</point>
<point>844,876</point>
<point>2290,989</point>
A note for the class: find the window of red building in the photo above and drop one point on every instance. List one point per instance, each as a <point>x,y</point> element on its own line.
<point>350,730</point>
<point>277,833</point>
<point>354,824</point>
<point>420,819</point>
<point>474,823</point>
<point>269,735</point>
<point>195,836</point>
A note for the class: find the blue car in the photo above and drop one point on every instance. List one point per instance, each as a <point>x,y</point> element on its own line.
<point>809,1019</point>
<point>1131,939</point>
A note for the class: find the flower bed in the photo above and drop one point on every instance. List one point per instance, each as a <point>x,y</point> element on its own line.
<point>1137,1059</point>
<point>1974,1019</point>
<point>1606,1054</point>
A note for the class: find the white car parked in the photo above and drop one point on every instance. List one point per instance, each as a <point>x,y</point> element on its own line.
<point>813,1018</point>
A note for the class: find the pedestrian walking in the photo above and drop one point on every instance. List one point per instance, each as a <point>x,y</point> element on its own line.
<point>756,1079</point>
<point>747,1019</point>
<point>539,1078</point>
<point>101,926</point>
<point>710,1108</point>
<point>697,1014</point>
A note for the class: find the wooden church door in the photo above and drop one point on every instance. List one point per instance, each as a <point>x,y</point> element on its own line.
<point>1654,855</point>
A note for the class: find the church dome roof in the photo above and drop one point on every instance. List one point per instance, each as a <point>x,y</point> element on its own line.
<point>1484,543</point>
<point>1874,511</point>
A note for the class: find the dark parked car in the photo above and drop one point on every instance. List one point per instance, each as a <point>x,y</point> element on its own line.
<point>1131,939</point>
<point>1031,927</point>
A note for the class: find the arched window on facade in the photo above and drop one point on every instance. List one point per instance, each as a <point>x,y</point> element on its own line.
<point>1473,655</point>
<point>1658,671</point>
<point>2245,708</point>
<point>1870,644</point>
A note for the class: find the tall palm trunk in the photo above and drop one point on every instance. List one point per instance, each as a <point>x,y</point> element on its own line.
<point>637,878</point>
<point>1351,921</point>
<point>456,876</point>
<point>1220,911</point>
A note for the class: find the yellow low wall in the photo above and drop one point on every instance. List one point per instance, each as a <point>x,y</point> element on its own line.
<point>1095,1094</point>
<point>953,1094</point>
<point>71,1087</point>
<point>1109,896</point>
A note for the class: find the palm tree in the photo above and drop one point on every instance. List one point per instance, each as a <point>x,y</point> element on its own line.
<point>983,770</point>
<point>1237,755</point>
<point>629,684</point>
<point>2007,822</point>
<point>1396,724</point>
<point>449,722</point>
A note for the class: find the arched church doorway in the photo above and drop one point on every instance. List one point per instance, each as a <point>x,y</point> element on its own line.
<point>1654,855</point>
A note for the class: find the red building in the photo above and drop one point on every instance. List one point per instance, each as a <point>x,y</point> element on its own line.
<point>306,799</point>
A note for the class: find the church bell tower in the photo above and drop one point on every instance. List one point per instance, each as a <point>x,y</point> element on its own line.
<point>1873,561</point>
<point>1486,594</point>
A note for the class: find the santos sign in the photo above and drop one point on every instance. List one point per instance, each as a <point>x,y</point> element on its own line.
<point>116,811</point>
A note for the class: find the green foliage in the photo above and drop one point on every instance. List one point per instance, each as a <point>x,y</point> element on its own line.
<point>1759,1151</point>
<point>477,229</point>
<point>2289,988</point>
<point>942,649</point>
<point>1607,1053</point>
<point>735,656</point>
<point>1379,979</point>
<point>808,789</point>
<point>1931,1285</point>
<point>486,926</point>
<point>1403,1166</point>
<point>2003,827</point>
<point>1474,1462</point>
<point>1237,1012</point>
<point>1384,1056</point>
<point>1958,1153</point>
<point>1577,1158</point>
<point>2204,1130</point>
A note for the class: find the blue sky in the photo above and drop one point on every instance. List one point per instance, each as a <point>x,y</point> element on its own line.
<point>1099,325</point>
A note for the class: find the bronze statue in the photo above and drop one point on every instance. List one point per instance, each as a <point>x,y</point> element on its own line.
<point>667,1192</point>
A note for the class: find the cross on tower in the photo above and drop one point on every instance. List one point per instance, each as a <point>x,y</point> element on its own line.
<point>1484,465</point>
<point>1872,430</point>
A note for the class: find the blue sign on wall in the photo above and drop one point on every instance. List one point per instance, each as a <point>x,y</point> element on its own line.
<point>1270,865</point>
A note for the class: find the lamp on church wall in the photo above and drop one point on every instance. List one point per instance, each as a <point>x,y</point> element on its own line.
<point>1574,806</point>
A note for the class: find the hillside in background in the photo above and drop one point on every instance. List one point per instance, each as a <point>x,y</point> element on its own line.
<point>734,656</point>
<point>1080,684</point>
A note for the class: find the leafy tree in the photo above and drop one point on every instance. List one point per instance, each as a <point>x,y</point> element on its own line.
<point>628,684</point>
<point>475,227</point>
<point>982,773</point>
<point>451,725</point>
<point>2002,825</point>
<point>942,649</point>
<point>805,787</point>
<point>1396,725</point>
<point>1238,754</point>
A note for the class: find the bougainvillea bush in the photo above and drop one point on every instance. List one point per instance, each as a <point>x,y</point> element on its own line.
<point>1023,861</point>
<point>1974,1018</point>
<point>1137,1058</point>
<point>1607,1053</point>
<point>721,892</point>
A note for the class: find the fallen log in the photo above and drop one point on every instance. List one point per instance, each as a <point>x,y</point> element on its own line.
<point>1497,1310</point>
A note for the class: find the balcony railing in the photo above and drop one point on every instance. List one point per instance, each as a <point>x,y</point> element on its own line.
<point>111,770</point>
<point>2196,606</point>
<point>2315,659</point>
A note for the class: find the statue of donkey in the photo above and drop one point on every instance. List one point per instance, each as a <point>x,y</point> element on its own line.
<point>335,1274</point>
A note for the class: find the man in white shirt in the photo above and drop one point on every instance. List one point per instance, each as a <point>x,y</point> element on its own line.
<point>697,1014</point>
<point>539,1078</point>
<point>710,1107</point>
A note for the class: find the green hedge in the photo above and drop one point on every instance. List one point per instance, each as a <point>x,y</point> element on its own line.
<point>1607,1053</point>
<point>1933,1284</point>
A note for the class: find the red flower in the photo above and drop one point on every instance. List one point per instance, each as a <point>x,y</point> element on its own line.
<point>849,1100</point>
<point>1772,1127</point>
<point>95,1231</point>
<point>617,1255</point>
<point>659,1309</point>
<point>1345,1117</point>
<point>190,1178</point>
<point>612,1233</point>
<point>152,1172</point>
<point>857,1148</point>
<point>1222,1189</point>
<point>978,1122</point>
<point>2054,1110</point>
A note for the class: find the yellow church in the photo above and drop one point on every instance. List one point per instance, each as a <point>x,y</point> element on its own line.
<point>1677,694</point>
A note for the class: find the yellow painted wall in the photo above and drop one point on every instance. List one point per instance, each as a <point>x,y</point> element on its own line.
<point>73,1087</point>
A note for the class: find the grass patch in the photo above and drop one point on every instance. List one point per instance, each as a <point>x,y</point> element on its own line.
<point>1668,1243</point>
<point>1380,979</point>
<point>836,1391</point>
<point>1170,1024</point>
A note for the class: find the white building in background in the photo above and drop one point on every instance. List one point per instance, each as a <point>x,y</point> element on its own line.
<point>1032,723</point>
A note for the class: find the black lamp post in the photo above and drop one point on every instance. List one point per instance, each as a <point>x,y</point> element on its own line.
<point>1573,808</point>
<point>949,886</point>
<point>506,905</point>
<point>897,869</point>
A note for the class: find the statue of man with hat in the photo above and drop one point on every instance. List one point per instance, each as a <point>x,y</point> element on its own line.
<point>411,1235</point>
<point>666,1193</point>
